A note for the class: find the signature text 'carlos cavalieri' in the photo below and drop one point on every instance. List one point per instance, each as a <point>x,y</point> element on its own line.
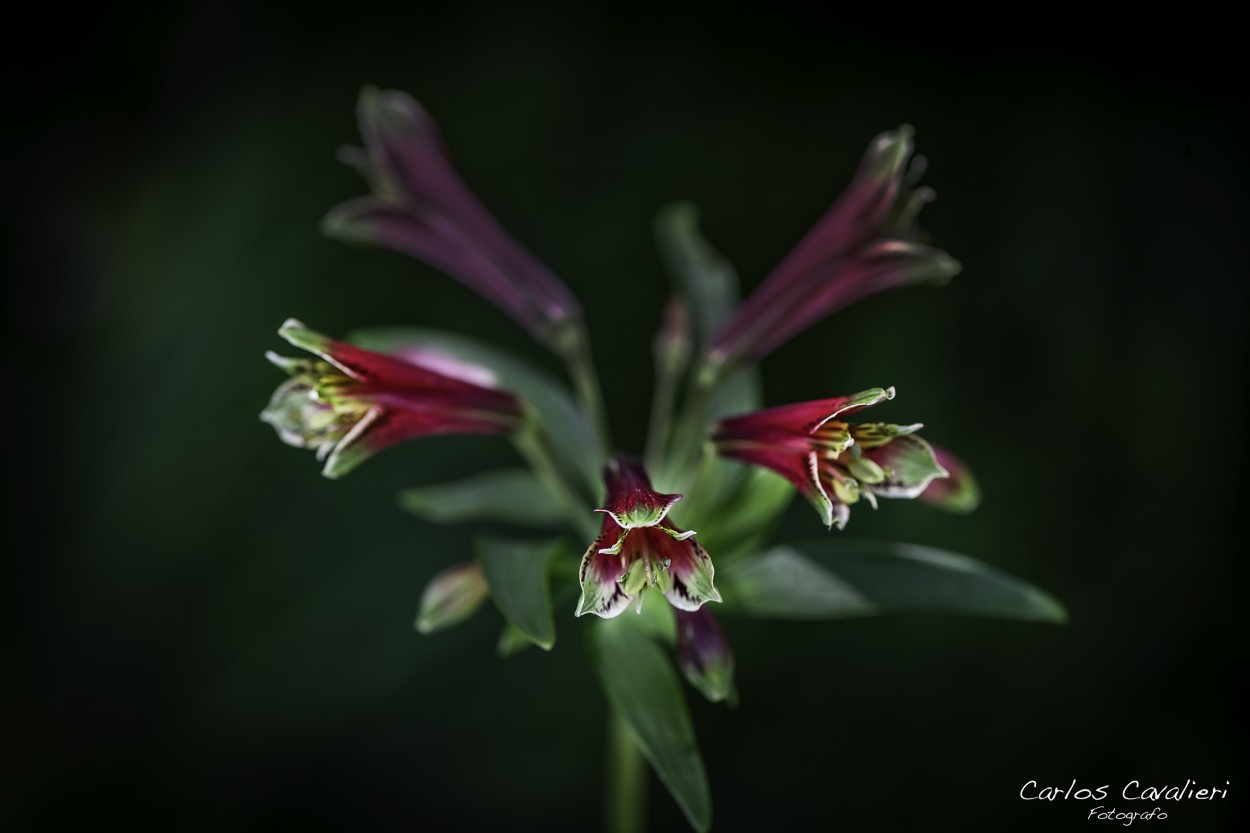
<point>1132,791</point>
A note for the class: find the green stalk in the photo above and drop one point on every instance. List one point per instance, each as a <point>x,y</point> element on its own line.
<point>575,349</point>
<point>661,414</point>
<point>689,435</point>
<point>627,780</point>
<point>531,441</point>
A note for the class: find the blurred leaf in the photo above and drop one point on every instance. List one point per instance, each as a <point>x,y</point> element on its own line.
<point>512,640</point>
<point>512,495</point>
<point>706,279</point>
<point>451,597</point>
<point>785,584</point>
<point>657,619</point>
<point>645,691</point>
<point>863,578</point>
<point>516,572</point>
<point>563,422</point>
<point>709,284</point>
<point>742,521</point>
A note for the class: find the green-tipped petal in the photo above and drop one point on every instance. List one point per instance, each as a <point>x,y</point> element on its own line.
<point>602,574</point>
<point>353,449</point>
<point>888,152</point>
<point>690,573</point>
<point>909,465</point>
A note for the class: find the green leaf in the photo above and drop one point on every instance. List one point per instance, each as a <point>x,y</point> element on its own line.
<point>656,619</point>
<point>512,640</point>
<point>643,687</point>
<point>563,422</point>
<point>512,495</point>
<point>784,584</point>
<point>706,279</point>
<point>737,522</point>
<point>863,578</point>
<point>709,284</point>
<point>516,572</point>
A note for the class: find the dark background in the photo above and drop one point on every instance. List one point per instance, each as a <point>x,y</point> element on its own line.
<point>206,635</point>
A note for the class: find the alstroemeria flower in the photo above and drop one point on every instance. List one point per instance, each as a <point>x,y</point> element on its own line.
<point>350,403</point>
<point>833,463</point>
<point>638,549</point>
<point>863,245</point>
<point>422,208</point>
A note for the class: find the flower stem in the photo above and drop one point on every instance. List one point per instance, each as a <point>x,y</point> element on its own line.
<point>531,441</point>
<point>627,780</point>
<point>689,435</point>
<point>661,415</point>
<point>581,365</point>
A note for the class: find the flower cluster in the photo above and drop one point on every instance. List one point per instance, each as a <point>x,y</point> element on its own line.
<point>347,403</point>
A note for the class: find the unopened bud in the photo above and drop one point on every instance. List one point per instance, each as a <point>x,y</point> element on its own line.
<point>451,597</point>
<point>704,655</point>
<point>672,342</point>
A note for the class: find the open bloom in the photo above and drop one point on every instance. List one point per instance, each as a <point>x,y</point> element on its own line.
<point>833,463</point>
<point>349,403</point>
<point>638,549</point>
<point>864,244</point>
<point>422,208</point>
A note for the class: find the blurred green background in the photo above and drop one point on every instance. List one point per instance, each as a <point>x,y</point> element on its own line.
<point>205,634</point>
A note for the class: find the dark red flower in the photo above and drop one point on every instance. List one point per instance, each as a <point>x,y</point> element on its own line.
<point>350,403</point>
<point>863,245</point>
<point>421,207</point>
<point>638,549</point>
<point>832,462</point>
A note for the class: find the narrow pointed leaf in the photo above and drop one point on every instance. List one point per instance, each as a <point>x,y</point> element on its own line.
<point>657,621</point>
<point>706,279</point>
<point>838,579</point>
<point>512,640</point>
<point>742,521</point>
<point>643,687</point>
<point>512,495</point>
<point>709,283</point>
<point>516,572</point>
<point>784,584</point>
<point>565,424</point>
<point>722,479</point>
